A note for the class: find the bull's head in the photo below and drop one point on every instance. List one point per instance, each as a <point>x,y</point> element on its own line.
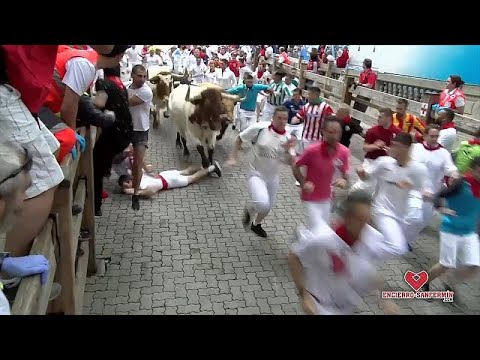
<point>209,108</point>
<point>162,85</point>
<point>229,102</point>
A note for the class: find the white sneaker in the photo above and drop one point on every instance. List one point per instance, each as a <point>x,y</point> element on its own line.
<point>297,183</point>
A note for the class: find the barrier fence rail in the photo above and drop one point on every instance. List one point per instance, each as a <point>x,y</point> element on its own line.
<point>67,240</point>
<point>337,88</point>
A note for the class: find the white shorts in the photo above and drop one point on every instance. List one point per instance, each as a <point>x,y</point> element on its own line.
<point>18,125</point>
<point>319,213</point>
<point>174,179</point>
<point>459,250</point>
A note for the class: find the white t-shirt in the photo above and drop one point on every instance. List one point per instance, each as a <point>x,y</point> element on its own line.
<point>226,56</point>
<point>267,152</point>
<point>80,74</point>
<point>154,60</point>
<point>211,77</point>
<point>336,274</point>
<point>198,73</point>
<point>141,113</point>
<point>391,200</point>
<point>447,138</point>
<point>438,162</point>
<point>226,78</point>
<point>244,70</point>
<point>264,80</point>
<point>133,56</point>
<point>150,182</point>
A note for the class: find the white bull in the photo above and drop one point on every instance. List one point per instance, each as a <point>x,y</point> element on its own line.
<point>210,114</point>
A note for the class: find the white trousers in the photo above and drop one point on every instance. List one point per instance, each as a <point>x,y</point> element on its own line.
<point>370,184</point>
<point>296,130</point>
<point>245,119</point>
<point>263,193</point>
<point>414,226</point>
<point>268,111</point>
<point>318,213</point>
<point>395,242</point>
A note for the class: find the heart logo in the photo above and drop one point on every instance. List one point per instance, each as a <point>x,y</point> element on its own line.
<point>416,280</point>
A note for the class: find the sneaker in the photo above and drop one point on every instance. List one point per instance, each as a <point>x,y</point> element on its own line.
<point>410,247</point>
<point>424,288</point>
<point>104,194</point>
<point>246,218</point>
<point>233,127</point>
<point>297,183</point>
<point>135,202</point>
<point>218,169</point>
<point>76,209</point>
<point>257,229</point>
<point>98,212</point>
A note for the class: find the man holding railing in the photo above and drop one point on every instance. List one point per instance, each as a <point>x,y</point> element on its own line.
<point>367,79</point>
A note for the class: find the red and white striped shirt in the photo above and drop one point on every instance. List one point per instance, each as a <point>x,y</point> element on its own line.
<point>313,116</point>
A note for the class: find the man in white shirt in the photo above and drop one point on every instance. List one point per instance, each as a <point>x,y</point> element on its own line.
<point>270,143</point>
<point>133,56</point>
<point>334,268</point>
<point>448,132</point>
<point>152,59</point>
<point>397,175</point>
<point>269,57</point>
<point>223,54</point>
<point>225,77</point>
<point>439,164</point>
<point>197,71</point>
<point>140,97</point>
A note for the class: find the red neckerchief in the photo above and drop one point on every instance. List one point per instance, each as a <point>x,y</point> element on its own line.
<point>341,231</point>
<point>475,185</point>
<point>450,125</point>
<point>274,129</point>
<point>260,74</point>
<point>474,142</point>
<point>431,148</point>
<point>324,148</point>
<point>347,120</point>
<point>117,81</point>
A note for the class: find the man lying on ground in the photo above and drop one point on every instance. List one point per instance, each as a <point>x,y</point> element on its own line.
<point>154,182</point>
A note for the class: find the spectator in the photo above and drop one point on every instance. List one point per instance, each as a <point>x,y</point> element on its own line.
<point>368,79</point>
<point>283,57</point>
<point>452,97</point>
<point>343,58</point>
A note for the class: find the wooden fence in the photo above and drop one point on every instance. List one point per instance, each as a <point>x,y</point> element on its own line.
<point>71,257</point>
<point>336,86</point>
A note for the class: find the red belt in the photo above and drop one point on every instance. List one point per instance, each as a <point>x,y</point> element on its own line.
<point>164,182</point>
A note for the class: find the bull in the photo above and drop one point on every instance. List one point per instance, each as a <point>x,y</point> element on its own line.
<point>200,111</point>
<point>161,82</point>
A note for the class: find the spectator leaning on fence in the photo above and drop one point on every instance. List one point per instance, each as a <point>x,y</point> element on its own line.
<point>368,79</point>
<point>15,164</point>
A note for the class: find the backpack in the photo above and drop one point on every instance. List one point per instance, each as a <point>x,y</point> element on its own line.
<point>465,154</point>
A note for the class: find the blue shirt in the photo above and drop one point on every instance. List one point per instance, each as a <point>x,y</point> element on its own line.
<point>293,108</point>
<point>250,94</point>
<point>467,209</point>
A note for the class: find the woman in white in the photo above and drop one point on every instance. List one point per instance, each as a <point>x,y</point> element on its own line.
<point>270,145</point>
<point>439,164</point>
<point>198,71</point>
<point>211,73</point>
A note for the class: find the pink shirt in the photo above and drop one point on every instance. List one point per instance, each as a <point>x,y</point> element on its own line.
<point>321,169</point>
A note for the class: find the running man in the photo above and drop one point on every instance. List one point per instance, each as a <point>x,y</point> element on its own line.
<point>270,143</point>
<point>333,269</point>
<point>249,91</point>
<point>279,95</point>
<point>397,175</point>
<point>459,242</point>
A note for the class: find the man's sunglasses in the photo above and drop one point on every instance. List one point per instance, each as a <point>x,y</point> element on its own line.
<point>25,167</point>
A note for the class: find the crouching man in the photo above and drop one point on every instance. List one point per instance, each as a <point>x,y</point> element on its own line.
<point>333,269</point>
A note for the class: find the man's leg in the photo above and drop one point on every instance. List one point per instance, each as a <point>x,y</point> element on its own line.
<point>200,172</point>
<point>192,169</point>
<point>140,145</point>
<point>260,205</point>
<point>395,243</point>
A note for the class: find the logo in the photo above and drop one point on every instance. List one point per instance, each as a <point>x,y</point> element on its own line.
<point>416,280</point>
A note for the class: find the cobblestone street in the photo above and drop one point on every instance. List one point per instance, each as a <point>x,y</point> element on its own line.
<point>186,251</point>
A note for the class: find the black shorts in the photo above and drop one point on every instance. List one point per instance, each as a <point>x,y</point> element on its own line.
<point>140,138</point>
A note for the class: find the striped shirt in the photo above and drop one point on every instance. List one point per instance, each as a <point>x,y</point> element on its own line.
<point>313,116</point>
<point>281,93</point>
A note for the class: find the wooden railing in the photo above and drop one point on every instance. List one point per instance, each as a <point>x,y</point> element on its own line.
<point>336,86</point>
<point>71,258</point>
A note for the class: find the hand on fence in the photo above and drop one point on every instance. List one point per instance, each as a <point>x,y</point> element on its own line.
<point>81,141</point>
<point>23,266</point>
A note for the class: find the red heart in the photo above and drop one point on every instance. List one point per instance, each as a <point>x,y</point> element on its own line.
<point>416,280</point>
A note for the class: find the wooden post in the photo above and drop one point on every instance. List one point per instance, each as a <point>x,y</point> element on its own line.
<point>347,95</point>
<point>66,266</point>
<point>301,79</point>
<point>430,98</point>
<point>328,74</point>
<point>88,220</point>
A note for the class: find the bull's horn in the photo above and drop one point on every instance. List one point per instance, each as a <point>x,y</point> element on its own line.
<point>177,76</point>
<point>231,97</point>
<point>187,96</point>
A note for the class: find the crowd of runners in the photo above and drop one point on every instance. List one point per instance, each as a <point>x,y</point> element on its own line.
<point>411,169</point>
